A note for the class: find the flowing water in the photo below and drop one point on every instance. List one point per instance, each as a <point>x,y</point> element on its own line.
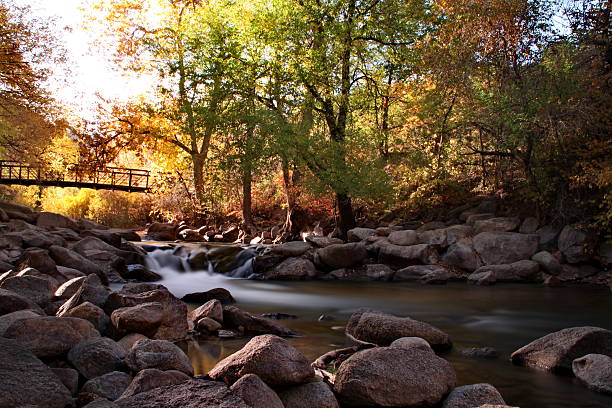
<point>505,317</point>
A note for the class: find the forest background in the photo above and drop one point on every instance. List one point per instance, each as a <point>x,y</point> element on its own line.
<point>337,112</point>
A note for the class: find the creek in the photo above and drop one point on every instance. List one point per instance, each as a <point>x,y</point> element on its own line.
<point>505,317</point>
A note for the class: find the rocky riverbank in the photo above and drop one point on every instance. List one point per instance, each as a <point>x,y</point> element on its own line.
<point>68,340</point>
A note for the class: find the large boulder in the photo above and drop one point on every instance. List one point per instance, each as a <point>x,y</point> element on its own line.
<point>339,256</point>
<point>110,385</point>
<point>174,323</point>
<point>382,329</point>
<point>359,234</point>
<point>293,269</point>
<point>27,381</point>
<point>194,393</point>
<point>393,377</point>
<point>292,248</point>
<point>159,354</point>
<point>424,273</point>
<point>8,319</point>
<point>496,248</point>
<point>256,393</point>
<point>71,259</point>
<point>499,224</point>
<point>322,242</point>
<point>402,256</point>
<point>86,245</point>
<point>234,318</point>
<point>556,351</point>
<point>434,237</point>
<point>595,371</point>
<point>404,238</point>
<point>463,255</point>
<point>40,260</point>
<point>575,245</point>
<point>212,309</point>
<point>162,232</point>
<point>365,273</point>
<point>310,395</point>
<point>271,358</point>
<point>549,263</point>
<point>96,356</point>
<point>151,378</point>
<point>475,395</point>
<point>144,318</point>
<point>529,225</point>
<point>92,313</point>
<point>91,290</point>
<point>12,302</point>
<point>521,271</point>
<point>51,221</point>
<point>548,235</point>
<point>49,337</point>
<point>38,290</point>
<point>111,238</point>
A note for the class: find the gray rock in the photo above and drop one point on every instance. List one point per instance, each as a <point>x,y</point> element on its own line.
<point>96,356</point>
<point>144,318</point>
<point>292,248</point>
<point>110,385</point>
<point>92,313</point>
<point>11,302</point>
<point>69,377</point>
<point>128,341</point>
<point>576,246</point>
<point>8,319</point>
<point>151,378</point>
<point>556,351</point>
<point>50,337</point>
<point>211,309</point>
<point>463,255</point>
<point>359,234</point>
<point>407,343</point>
<point>365,273</point>
<point>71,259</point>
<point>309,395</point>
<point>293,269</point>
<point>271,358</point>
<point>52,220</point>
<point>595,371</point>
<point>456,232</point>
<point>256,393</point>
<point>404,238</point>
<point>339,256</point>
<point>189,394</point>
<point>234,318</point>
<point>529,226</point>
<point>497,248</point>
<point>499,224</point>
<point>382,329</point>
<point>474,395</point>
<point>474,217</point>
<point>159,354</point>
<point>547,262</point>
<point>27,381</point>
<point>548,235</point>
<point>322,242</point>
<point>403,256</point>
<point>521,271</point>
<point>38,290</point>
<point>434,237</point>
<point>393,377</point>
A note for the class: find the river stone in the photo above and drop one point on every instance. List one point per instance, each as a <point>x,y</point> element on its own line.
<point>456,232</point>
<point>87,244</point>
<point>91,290</point>
<point>234,318</point>
<point>38,290</point>
<point>475,217</point>
<point>159,354</point>
<point>293,248</point>
<point>575,245</point>
<point>475,395</point>
<point>101,403</point>
<point>556,351</point>
<point>110,237</point>
<point>96,356</point>
<point>49,337</point>
<point>382,329</point>
<point>403,256</point>
<point>323,242</point>
<point>8,319</point>
<point>151,378</point>
<point>434,237</point>
<point>256,393</point>
<point>339,256</point>
<point>38,259</point>
<point>194,393</point>
<point>11,302</point>
<point>27,381</point>
<point>141,273</point>
<point>207,325</point>
<point>548,235</point>
<point>407,343</point>
<point>462,255</point>
<point>144,318</point>
<point>71,259</point>
<point>547,262</point>
<point>272,358</point>
<point>309,395</point>
<point>499,224</point>
<point>173,326</point>
<point>529,226</point>
<point>292,269</point>
<point>158,231</point>
<point>52,221</point>
<point>110,385</point>
<point>497,248</point>
<point>481,352</point>
<point>365,273</point>
<point>221,294</point>
<point>211,309</point>
<point>69,377</point>
<point>595,371</point>
<point>359,234</point>
<point>393,377</point>
<point>521,271</point>
<point>128,341</point>
<point>424,273</point>
<point>403,238</point>
<point>91,313</point>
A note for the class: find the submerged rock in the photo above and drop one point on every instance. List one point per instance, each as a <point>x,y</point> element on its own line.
<point>234,318</point>
<point>556,351</point>
<point>393,377</point>
<point>271,358</point>
<point>594,370</point>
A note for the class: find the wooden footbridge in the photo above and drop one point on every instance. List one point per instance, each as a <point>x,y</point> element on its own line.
<point>104,178</point>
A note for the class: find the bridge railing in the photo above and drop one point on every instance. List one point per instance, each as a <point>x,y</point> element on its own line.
<point>79,176</point>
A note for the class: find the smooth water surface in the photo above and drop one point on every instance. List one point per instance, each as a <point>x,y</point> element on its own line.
<point>505,317</point>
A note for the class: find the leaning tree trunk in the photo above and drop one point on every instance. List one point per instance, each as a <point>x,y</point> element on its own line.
<point>247,182</point>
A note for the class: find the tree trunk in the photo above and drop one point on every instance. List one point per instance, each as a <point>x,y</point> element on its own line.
<point>289,197</point>
<point>198,178</point>
<point>346,217</point>
<point>247,180</point>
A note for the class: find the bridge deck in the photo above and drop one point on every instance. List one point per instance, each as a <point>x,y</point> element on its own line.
<point>107,178</point>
